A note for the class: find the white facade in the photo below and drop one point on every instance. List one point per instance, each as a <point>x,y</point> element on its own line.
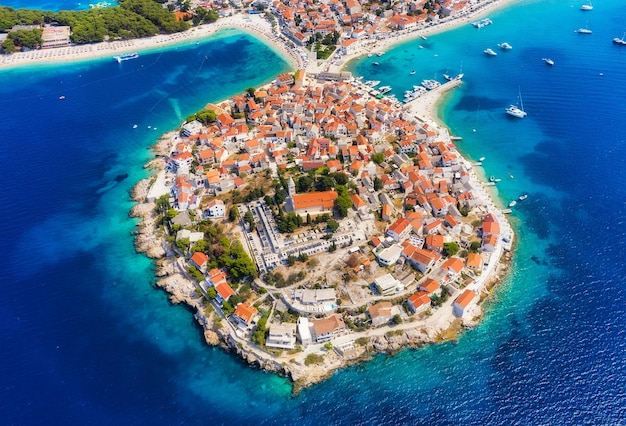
<point>304,332</point>
<point>390,255</point>
<point>281,336</point>
<point>216,208</point>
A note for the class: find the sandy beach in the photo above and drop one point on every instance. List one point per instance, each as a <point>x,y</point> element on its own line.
<point>252,24</point>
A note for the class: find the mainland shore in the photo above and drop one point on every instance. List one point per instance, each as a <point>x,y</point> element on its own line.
<point>253,24</point>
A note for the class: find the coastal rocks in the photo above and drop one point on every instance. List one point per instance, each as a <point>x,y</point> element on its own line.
<point>180,289</point>
<point>139,192</point>
<point>211,337</point>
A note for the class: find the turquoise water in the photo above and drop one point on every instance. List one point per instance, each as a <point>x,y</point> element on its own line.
<point>89,339</point>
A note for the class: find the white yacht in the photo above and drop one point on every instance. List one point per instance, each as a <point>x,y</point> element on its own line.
<point>548,61</point>
<point>583,31</point>
<point>489,52</point>
<point>587,7</point>
<point>482,23</point>
<point>505,46</point>
<point>431,84</point>
<point>515,111</point>
<point>620,41</point>
<point>512,203</point>
<point>384,89</point>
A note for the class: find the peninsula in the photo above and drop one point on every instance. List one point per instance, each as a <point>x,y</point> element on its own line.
<point>315,221</point>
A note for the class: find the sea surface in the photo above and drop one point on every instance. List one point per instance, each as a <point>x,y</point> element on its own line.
<point>87,339</point>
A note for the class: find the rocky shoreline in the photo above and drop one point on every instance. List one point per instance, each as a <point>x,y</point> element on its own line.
<point>182,289</point>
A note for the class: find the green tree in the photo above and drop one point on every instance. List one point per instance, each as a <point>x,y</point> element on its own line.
<point>304,184</point>
<point>378,157</point>
<point>451,248</point>
<point>378,184</point>
<point>249,219</point>
<point>332,225</point>
<point>233,214</point>
<point>8,46</point>
<point>324,183</point>
<point>343,201</point>
<point>340,178</point>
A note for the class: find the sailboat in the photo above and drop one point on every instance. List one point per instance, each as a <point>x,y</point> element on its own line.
<point>620,41</point>
<point>515,111</point>
<point>587,6</point>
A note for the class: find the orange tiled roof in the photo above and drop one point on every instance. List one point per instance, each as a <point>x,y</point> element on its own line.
<point>325,199</point>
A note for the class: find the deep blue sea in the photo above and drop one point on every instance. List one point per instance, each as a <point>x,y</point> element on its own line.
<point>87,338</point>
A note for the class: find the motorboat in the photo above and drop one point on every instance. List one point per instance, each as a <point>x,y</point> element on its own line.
<point>548,61</point>
<point>384,89</point>
<point>583,31</point>
<point>490,52</point>
<point>430,84</point>
<point>482,23</point>
<point>587,7</point>
<point>512,203</point>
<point>522,197</point>
<point>505,46</point>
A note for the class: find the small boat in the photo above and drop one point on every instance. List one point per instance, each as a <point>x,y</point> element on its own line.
<point>380,53</point>
<point>620,41</point>
<point>62,97</point>
<point>482,23</point>
<point>430,84</point>
<point>587,7</point>
<point>134,126</point>
<point>481,159</point>
<point>412,72</point>
<point>512,203</point>
<point>494,179</point>
<point>548,61</point>
<point>369,55</point>
<point>522,197</point>
<point>384,89</point>
<point>505,46</point>
<point>423,37</point>
<point>515,111</point>
<point>489,52</point>
<point>126,57</point>
<point>375,63</point>
<point>583,31</point>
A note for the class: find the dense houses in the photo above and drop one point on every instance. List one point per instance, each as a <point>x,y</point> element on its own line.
<point>419,189</point>
<point>356,22</point>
